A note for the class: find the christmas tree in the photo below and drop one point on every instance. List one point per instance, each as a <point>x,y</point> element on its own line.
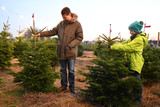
<point>110,83</point>
<point>80,50</point>
<point>50,47</point>
<point>6,47</point>
<point>151,68</point>
<point>37,74</point>
<point>19,45</point>
<point>99,45</point>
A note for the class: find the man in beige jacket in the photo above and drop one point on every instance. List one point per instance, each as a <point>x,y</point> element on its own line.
<point>70,34</point>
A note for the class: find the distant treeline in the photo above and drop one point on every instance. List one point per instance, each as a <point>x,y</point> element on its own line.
<point>154,42</point>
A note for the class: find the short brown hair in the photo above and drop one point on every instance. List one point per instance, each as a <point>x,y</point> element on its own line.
<point>66,11</point>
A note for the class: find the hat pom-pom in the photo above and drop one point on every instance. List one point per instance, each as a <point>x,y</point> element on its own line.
<point>141,22</point>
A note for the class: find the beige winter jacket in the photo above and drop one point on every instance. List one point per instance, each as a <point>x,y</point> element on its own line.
<point>70,34</point>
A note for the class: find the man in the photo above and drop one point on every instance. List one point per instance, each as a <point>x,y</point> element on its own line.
<point>70,34</point>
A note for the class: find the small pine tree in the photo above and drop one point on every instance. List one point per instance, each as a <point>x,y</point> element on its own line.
<point>49,46</point>
<point>151,68</point>
<point>110,83</point>
<point>6,47</point>
<point>19,46</point>
<point>99,45</point>
<point>80,50</point>
<point>37,75</point>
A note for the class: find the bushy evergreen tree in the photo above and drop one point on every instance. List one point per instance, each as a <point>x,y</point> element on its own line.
<point>6,47</point>
<point>19,45</point>
<point>37,74</point>
<point>110,82</point>
<point>151,68</point>
<point>80,50</point>
<point>50,47</point>
<point>99,45</point>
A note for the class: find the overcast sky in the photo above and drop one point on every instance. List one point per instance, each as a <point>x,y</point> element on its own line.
<point>95,16</point>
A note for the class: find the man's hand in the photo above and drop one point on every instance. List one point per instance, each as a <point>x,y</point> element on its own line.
<point>37,35</point>
<point>68,48</point>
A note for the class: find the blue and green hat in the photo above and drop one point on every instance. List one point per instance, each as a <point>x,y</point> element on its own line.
<point>136,26</point>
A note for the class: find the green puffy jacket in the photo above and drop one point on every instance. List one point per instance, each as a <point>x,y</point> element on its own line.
<point>134,50</point>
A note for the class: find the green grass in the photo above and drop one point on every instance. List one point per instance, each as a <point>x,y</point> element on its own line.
<point>16,92</point>
<point>1,81</point>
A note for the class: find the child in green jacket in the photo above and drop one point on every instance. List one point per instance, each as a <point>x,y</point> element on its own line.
<point>134,49</point>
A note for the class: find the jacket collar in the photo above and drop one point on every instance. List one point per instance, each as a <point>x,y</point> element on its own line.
<point>74,19</point>
<point>137,35</point>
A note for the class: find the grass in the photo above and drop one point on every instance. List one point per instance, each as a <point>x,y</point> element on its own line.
<point>16,92</point>
<point>158,94</point>
<point>9,101</point>
<point>1,81</point>
<point>11,98</point>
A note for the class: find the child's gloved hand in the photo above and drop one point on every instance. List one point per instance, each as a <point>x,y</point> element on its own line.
<point>109,46</point>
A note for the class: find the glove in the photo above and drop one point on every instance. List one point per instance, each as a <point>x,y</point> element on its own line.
<point>109,46</point>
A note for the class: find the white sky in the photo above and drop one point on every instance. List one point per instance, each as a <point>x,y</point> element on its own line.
<point>94,15</point>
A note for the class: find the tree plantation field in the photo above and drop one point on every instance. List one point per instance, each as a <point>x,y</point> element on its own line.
<point>30,75</point>
<point>12,95</point>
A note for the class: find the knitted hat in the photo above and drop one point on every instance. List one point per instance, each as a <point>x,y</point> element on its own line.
<point>136,26</point>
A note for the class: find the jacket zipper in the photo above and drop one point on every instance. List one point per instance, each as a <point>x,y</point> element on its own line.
<point>62,46</point>
<point>66,43</point>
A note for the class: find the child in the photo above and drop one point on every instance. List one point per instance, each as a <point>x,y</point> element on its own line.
<point>134,49</point>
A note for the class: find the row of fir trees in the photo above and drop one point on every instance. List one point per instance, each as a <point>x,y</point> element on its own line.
<point>37,56</point>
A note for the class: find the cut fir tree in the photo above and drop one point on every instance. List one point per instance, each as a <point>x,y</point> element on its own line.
<point>110,82</point>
